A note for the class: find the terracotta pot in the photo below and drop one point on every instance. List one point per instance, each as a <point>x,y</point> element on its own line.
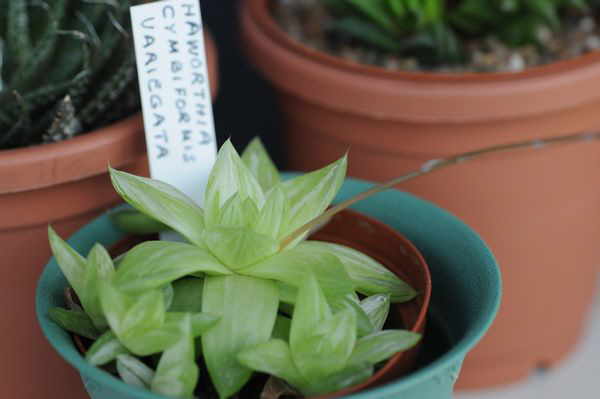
<point>537,210</point>
<point>64,184</point>
<point>391,249</point>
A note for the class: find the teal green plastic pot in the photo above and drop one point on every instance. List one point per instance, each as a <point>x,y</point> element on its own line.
<point>466,294</point>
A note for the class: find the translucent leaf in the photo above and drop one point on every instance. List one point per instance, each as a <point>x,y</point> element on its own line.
<point>187,295</point>
<point>293,265</point>
<point>363,322</point>
<point>310,194</point>
<point>177,372</point>
<point>70,262</point>
<point>327,350</point>
<point>153,264</point>
<point>287,293</point>
<point>274,358</point>
<point>99,266</point>
<point>239,247</point>
<point>369,276</point>
<point>162,202</point>
<point>238,212</point>
<point>248,308</point>
<point>202,322</point>
<point>75,322</point>
<point>310,311</point>
<point>168,294</point>
<point>382,345</point>
<point>105,349</point>
<point>377,308</point>
<point>134,372</point>
<point>228,177</point>
<point>272,213</point>
<point>136,320</point>
<point>257,160</point>
<point>352,375</point>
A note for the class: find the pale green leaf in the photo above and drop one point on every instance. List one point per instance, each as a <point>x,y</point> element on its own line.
<point>310,311</point>
<point>177,372</point>
<point>310,194</point>
<point>144,343</point>
<point>238,212</point>
<point>327,350</point>
<point>229,176</point>
<point>369,276</point>
<point>137,320</point>
<point>162,202</point>
<point>363,322</point>
<point>74,321</point>
<point>287,293</point>
<point>99,267</point>
<point>248,308</point>
<point>382,345</point>
<point>352,375</point>
<point>274,358</point>
<point>272,213</point>
<point>100,259</point>
<point>105,349</point>
<point>70,262</point>
<point>202,322</point>
<point>146,312</point>
<point>239,247</point>
<point>257,160</point>
<point>153,264</point>
<point>293,265</point>
<point>187,295</point>
<point>377,308</point>
<point>134,372</point>
<point>168,294</point>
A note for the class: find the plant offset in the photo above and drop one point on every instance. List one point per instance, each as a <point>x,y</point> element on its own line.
<point>65,66</point>
<point>247,292</point>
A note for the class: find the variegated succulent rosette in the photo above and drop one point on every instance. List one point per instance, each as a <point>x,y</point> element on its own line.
<point>246,292</point>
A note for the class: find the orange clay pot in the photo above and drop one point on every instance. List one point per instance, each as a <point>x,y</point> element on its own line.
<point>538,210</point>
<point>64,184</point>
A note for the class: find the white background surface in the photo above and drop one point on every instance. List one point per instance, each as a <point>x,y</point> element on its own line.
<point>577,378</point>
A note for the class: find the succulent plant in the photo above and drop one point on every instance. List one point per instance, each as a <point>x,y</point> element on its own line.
<point>245,268</point>
<point>434,30</point>
<point>66,66</point>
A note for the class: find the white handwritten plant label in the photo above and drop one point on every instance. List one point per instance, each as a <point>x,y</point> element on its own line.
<point>175,93</point>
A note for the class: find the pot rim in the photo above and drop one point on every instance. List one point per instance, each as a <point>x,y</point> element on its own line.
<point>536,90</point>
<point>87,236</point>
<point>57,163</point>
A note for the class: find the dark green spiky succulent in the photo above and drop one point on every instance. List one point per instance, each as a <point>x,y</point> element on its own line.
<point>434,30</point>
<point>66,66</point>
